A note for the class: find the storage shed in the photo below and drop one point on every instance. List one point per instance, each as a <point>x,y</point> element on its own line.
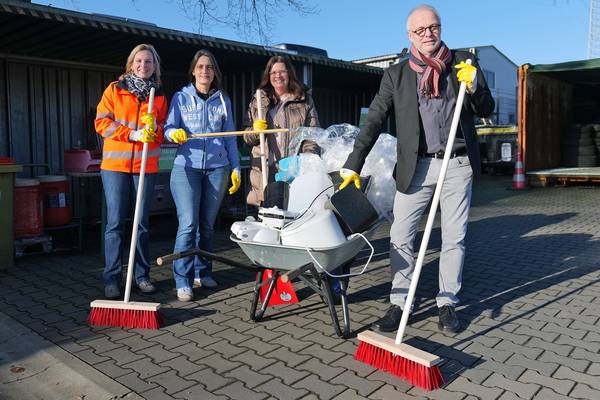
<point>559,121</point>
<point>55,63</point>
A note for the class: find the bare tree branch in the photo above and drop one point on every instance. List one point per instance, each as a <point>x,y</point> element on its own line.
<point>250,19</point>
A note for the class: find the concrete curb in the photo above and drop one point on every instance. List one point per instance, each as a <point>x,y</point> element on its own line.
<point>34,368</point>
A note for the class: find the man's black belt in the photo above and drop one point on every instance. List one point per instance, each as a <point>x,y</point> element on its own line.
<point>440,154</point>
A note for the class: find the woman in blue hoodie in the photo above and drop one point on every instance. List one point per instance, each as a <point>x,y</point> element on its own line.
<point>202,167</point>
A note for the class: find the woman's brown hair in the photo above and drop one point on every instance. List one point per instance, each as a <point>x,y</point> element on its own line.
<point>295,87</point>
<point>217,83</point>
<point>155,58</point>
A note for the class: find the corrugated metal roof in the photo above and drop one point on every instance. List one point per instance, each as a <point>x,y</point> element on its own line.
<point>43,31</point>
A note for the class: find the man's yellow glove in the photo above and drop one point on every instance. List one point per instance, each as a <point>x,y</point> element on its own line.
<point>149,120</point>
<point>179,136</point>
<point>349,176</point>
<point>260,125</point>
<point>235,181</point>
<point>468,74</point>
<point>142,135</point>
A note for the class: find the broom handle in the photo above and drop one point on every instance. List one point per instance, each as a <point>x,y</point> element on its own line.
<point>432,211</point>
<point>238,133</point>
<point>263,156</point>
<point>138,209</point>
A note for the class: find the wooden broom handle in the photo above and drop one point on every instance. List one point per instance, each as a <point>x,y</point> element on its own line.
<point>238,133</point>
<point>263,155</point>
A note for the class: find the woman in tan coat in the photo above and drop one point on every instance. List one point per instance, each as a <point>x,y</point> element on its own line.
<point>285,104</point>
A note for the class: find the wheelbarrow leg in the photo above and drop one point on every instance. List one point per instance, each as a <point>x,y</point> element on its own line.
<point>344,297</point>
<point>257,316</point>
<point>328,297</point>
<point>257,286</point>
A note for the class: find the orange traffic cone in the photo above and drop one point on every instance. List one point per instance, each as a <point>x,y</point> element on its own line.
<point>519,181</point>
<point>283,292</point>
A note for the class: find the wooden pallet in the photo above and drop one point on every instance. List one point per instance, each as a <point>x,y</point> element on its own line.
<point>33,245</point>
<point>564,177</point>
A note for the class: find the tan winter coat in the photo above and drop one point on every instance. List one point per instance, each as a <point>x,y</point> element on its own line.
<point>297,112</point>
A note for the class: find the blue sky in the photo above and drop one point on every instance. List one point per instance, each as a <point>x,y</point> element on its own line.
<point>527,31</point>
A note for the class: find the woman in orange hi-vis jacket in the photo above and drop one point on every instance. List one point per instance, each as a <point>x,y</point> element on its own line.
<point>125,124</point>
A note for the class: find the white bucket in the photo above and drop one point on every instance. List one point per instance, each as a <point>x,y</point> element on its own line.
<point>252,231</point>
<point>315,229</point>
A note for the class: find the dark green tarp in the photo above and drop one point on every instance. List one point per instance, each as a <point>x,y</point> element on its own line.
<point>577,72</point>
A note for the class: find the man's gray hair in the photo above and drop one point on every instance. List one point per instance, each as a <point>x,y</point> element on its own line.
<point>419,8</point>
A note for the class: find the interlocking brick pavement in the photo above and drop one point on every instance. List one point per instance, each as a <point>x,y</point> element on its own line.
<point>529,310</point>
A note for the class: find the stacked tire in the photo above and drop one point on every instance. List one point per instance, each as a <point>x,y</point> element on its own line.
<point>579,146</point>
<point>597,139</point>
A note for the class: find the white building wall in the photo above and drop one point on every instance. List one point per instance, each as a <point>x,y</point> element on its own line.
<point>504,87</point>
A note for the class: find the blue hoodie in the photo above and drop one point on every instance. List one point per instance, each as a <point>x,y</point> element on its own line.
<point>195,115</point>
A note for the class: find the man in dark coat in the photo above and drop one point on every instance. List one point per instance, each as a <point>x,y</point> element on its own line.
<point>422,92</point>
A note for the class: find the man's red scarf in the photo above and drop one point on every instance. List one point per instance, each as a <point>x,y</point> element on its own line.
<point>430,68</point>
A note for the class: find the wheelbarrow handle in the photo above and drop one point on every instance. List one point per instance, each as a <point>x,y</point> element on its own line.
<point>193,252</point>
<point>290,275</point>
<point>176,256</point>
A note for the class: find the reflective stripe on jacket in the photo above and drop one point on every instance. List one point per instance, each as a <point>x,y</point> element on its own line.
<point>117,114</point>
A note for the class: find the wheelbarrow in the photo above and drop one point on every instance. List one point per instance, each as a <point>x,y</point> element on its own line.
<point>313,266</point>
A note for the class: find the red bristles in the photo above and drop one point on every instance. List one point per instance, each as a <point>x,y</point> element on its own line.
<point>428,378</point>
<point>142,319</point>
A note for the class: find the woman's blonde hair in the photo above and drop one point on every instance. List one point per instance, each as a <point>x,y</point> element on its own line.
<point>155,57</point>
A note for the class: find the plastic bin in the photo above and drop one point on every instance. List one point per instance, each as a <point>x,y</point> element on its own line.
<point>29,208</point>
<point>8,169</point>
<point>80,160</point>
<point>57,199</point>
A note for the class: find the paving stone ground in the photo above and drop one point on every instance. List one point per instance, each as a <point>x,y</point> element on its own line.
<point>530,301</point>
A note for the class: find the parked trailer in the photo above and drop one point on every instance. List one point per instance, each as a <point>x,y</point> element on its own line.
<point>559,122</point>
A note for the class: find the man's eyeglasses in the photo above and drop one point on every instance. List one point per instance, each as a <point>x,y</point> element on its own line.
<point>433,28</point>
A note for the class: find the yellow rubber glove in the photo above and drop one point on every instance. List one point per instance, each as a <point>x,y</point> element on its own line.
<point>235,181</point>
<point>142,135</point>
<point>179,136</point>
<point>260,125</point>
<point>149,120</point>
<point>468,74</point>
<point>349,176</point>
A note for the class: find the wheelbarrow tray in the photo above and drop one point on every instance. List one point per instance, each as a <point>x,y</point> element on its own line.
<point>288,258</point>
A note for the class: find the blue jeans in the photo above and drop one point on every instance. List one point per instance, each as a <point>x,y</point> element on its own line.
<point>197,194</point>
<point>118,193</point>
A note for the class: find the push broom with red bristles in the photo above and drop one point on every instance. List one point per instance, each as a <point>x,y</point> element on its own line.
<point>129,314</point>
<point>409,363</point>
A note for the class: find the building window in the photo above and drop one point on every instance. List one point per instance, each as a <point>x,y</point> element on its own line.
<point>490,78</point>
<point>511,118</point>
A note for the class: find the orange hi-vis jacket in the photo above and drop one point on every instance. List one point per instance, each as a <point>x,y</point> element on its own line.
<point>117,114</point>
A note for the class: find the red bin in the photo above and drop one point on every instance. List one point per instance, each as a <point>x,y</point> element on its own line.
<point>28,208</point>
<point>57,199</point>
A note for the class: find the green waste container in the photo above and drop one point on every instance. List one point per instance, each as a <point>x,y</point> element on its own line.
<point>8,169</point>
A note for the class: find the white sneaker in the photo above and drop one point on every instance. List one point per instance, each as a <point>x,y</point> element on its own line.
<point>185,294</point>
<point>208,282</point>
<point>197,282</point>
